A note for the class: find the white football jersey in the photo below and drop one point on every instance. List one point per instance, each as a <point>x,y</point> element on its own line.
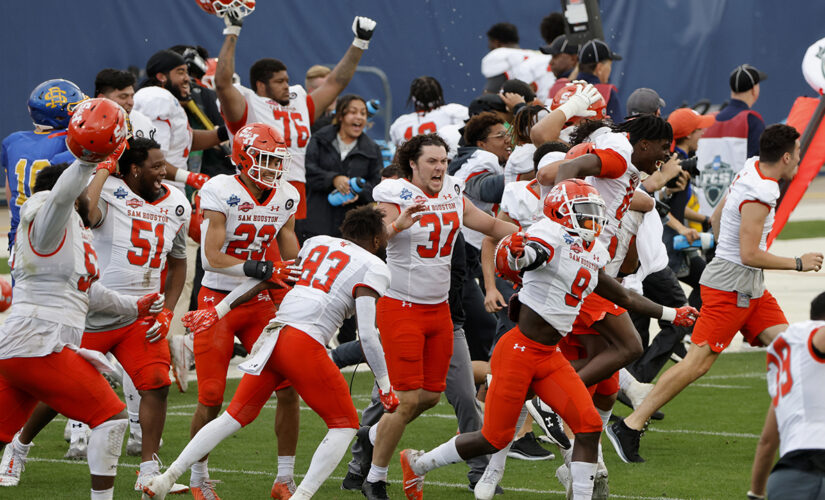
<point>480,162</point>
<point>407,126</point>
<point>172,130</point>
<point>617,193</point>
<point>292,121</point>
<point>504,60</point>
<point>251,226</point>
<point>749,186</point>
<point>332,269</point>
<point>535,70</point>
<point>519,162</point>
<point>133,241</point>
<point>64,276</point>
<point>419,257</point>
<point>142,126</point>
<point>795,375</point>
<point>556,289</point>
<point>521,203</point>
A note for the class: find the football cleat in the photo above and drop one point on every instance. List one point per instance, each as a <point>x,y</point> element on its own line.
<point>77,447</point>
<point>205,490</point>
<point>566,480</point>
<point>12,466</point>
<point>159,485</point>
<point>283,489</point>
<point>487,486</point>
<point>549,421</point>
<point>601,490</point>
<point>528,448</point>
<point>413,483</point>
<point>626,441</point>
<point>375,491</point>
<point>352,481</point>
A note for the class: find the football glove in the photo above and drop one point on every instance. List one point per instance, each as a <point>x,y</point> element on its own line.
<point>150,305</point>
<point>285,273</point>
<point>516,246</point>
<point>200,320</point>
<point>160,328</point>
<point>578,103</point>
<point>388,400</point>
<point>363,28</point>
<point>685,316</point>
<point>195,180</point>
<point>233,21</point>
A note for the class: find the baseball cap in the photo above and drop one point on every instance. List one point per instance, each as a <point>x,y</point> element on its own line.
<point>596,51</point>
<point>745,77</point>
<point>685,120</point>
<point>163,61</point>
<point>486,102</point>
<point>644,101</point>
<point>560,45</point>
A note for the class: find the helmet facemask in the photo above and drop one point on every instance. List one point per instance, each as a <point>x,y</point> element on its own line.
<point>268,167</point>
<point>586,216</point>
<point>238,8</point>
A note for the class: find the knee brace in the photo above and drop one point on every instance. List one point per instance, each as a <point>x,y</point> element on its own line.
<point>105,445</point>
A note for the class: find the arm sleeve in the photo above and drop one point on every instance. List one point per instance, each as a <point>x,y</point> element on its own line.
<point>485,187</point>
<point>49,226</point>
<point>103,299</point>
<point>239,290</point>
<point>613,164</point>
<point>370,342</point>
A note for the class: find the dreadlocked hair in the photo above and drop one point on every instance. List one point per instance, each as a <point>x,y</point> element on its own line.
<point>426,94</point>
<point>524,120</point>
<point>650,127</point>
<point>587,127</point>
<point>411,150</point>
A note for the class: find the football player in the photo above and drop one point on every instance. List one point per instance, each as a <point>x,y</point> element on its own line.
<point>734,297</point>
<point>431,113</point>
<point>56,271</point>
<point>244,215</point>
<point>23,154</point>
<point>119,86</point>
<point>273,101</point>
<point>423,212</point>
<point>337,277</point>
<point>561,259</point>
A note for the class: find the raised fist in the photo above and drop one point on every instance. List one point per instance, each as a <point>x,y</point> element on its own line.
<point>363,28</point>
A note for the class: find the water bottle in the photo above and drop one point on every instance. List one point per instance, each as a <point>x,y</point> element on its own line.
<point>356,185</point>
<point>704,242</point>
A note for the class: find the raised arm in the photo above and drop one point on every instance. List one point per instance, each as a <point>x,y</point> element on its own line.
<point>233,104</point>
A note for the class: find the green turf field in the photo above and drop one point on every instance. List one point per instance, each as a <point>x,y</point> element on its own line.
<point>703,449</point>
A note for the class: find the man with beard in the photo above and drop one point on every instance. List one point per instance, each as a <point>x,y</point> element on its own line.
<point>160,99</point>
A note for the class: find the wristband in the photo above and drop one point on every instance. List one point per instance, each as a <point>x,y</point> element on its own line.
<point>258,269</point>
<point>223,133</point>
<point>361,44</point>
<point>798,263</point>
<point>222,309</point>
<point>668,314</point>
<point>181,175</point>
<point>232,30</point>
<point>394,228</point>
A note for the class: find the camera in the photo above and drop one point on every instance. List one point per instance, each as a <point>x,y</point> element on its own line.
<point>662,208</point>
<point>689,165</point>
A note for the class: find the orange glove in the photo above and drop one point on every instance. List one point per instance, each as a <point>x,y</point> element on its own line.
<point>388,400</point>
<point>685,316</point>
<point>200,320</point>
<point>196,180</point>
<point>150,305</point>
<point>285,273</point>
<point>160,329</point>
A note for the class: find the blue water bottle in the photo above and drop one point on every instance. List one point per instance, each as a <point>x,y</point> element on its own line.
<point>704,242</point>
<point>356,185</point>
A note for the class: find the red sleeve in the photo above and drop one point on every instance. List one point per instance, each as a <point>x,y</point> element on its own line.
<point>613,164</point>
<point>233,127</point>
<point>311,109</point>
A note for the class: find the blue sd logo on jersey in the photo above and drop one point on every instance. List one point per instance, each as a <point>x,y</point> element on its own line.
<point>233,201</point>
<point>120,193</point>
<point>406,194</point>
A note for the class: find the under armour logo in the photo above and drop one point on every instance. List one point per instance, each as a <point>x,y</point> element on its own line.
<point>516,346</point>
<point>209,299</point>
<point>720,345</point>
<point>404,303</point>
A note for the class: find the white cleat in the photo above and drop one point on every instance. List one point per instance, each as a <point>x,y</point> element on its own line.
<point>134,445</point>
<point>486,486</point>
<point>159,485</point>
<point>77,447</point>
<point>180,361</point>
<point>11,467</point>
<point>637,391</point>
<point>566,480</point>
<point>601,490</point>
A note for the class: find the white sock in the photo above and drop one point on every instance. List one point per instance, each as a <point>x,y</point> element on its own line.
<point>20,448</point>
<point>373,432</point>
<point>605,414</point>
<point>103,494</point>
<point>200,472</point>
<point>204,441</point>
<point>149,467</point>
<point>286,466</point>
<point>444,454</point>
<point>326,457</point>
<point>625,378</point>
<point>583,474</point>
<point>132,397</point>
<point>377,474</point>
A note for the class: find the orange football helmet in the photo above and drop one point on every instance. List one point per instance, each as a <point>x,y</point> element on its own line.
<point>561,97</point>
<point>97,127</point>
<point>259,151</point>
<point>5,295</point>
<point>581,149</point>
<point>577,206</point>
<point>221,7</point>
<point>503,268</point>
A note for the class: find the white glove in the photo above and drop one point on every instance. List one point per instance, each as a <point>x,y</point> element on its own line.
<point>233,21</point>
<point>363,28</point>
<point>578,103</point>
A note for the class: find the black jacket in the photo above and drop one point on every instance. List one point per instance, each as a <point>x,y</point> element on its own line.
<point>323,164</point>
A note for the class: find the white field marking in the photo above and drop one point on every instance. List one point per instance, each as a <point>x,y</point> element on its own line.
<point>705,433</point>
<point>721,386</point>
<point>462,486</point>
<point>736,375</point>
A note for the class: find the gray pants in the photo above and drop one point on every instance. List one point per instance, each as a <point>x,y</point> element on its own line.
<point>460,394</point>
<point>795,484</point>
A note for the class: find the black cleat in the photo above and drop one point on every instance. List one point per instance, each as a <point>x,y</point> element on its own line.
<point>375,491</point>
<point>626,441</point>
<point>549,421</point>
<point>528,448</point>
<point>352,481</point>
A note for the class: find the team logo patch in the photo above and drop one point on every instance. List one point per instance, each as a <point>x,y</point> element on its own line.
<point>457,189</point>
<point>233,201</point>
<point>576,247</point>
<point>568,239</point>
<point>245,206</point>
<point>179,210</point>
<point>715,178</point>
<point>406,194</point>
<point>120,193</point>
<point>135,202</point>
<point>289,204</point>
<point>420,199</point>
<point>293,95</point>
